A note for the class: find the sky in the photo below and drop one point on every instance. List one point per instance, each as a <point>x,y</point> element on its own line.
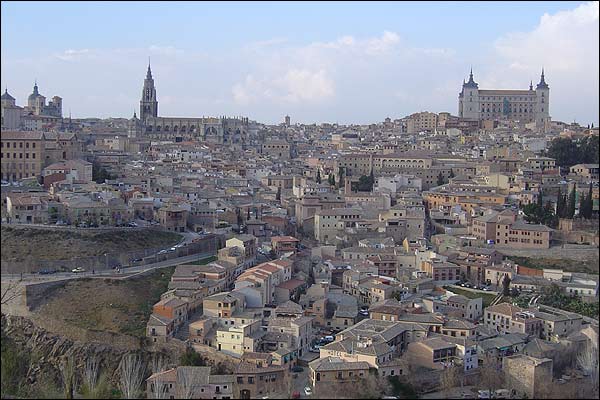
<point>345,62</point>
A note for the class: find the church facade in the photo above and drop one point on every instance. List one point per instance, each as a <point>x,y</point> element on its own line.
<point>516,105</point>
<point>149,125</point>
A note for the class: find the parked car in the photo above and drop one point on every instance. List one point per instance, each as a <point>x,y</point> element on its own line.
<point>328,338</point>
<point>364,313</point>
<point>308,391</point>
<point>47,271</point>
<point>296,395</point>
<point>132,225</point>
<point>136,260</point>
<point>78,270</point>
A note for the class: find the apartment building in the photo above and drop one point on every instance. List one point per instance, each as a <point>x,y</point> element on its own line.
<point>258,283</point>
<point>507,318</point>
<point>328,223</point>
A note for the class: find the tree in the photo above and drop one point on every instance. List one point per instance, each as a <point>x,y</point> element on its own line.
<point>158,363</point>
<point>340,177</point>
<point>540,200</point>
<point>278,195</point>
<point>490,377</point>
<point>582,206</point>
<point>238,214</point>
<point>90,373</point>
<point>192,358</point>
<point>10,291</point>
<point>450,379</point>
<point>69,377</point>
<point>131,371</point>
<point>588,203</point>
<point>331,179</point>
<point>365,183</point>
<point>440,179</point>
<point>571,203</point>
<point>318,176</point>
<point>587,360</point>
<point>559,203</point>
<point>506,285</point>
<point>452,173</point>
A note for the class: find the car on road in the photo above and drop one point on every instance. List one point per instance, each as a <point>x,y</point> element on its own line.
<point>78,270</point>
<point>315,349</point>
<point>297,368</point>
<point>162,252</point>
<point>364,313</point>
<point>132,225</point>
<point>487,289</point>
<point>47,271</point>
<point>328,338</point>
<point>308,391</point>
<point>136,260</point>
<point>296,395</point>
<point>173,249</point>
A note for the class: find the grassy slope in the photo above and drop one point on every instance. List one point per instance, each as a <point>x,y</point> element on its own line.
<point>19,244</point>
<point>108,305</point>
<point>487,298</point>
<point>565,264</point>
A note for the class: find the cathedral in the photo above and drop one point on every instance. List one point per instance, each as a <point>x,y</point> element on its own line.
<point>516,105</point>
<point>149,125</point>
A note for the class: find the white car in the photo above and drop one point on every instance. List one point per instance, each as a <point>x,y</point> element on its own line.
<point>308,391</point>
<point>78,270</point>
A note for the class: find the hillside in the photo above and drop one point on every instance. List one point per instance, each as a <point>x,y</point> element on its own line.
<point>19,244</point>
<point>106,305</point>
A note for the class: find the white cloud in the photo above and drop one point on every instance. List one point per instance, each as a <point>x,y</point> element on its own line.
<point>296,85</point>
<point>566,45</point>
<point>73,55</point>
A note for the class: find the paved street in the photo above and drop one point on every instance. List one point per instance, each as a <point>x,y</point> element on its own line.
<point>36,278</point>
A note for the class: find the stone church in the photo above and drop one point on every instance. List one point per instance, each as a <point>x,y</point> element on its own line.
<point>149,125</point>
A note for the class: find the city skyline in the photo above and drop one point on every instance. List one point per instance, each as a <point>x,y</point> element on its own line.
<point>357,74</point>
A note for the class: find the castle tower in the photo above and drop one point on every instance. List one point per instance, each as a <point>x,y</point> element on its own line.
<point>148,103</point>
<point>469,99</point>
<point>542,112</point>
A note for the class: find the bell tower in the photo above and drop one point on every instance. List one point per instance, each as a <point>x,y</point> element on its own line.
<point>148,103</point>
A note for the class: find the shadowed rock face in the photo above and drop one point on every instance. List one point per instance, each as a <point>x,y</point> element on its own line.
<point>47,350</point>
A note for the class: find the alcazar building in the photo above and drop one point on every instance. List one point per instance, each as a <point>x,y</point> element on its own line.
<point>516,105</point>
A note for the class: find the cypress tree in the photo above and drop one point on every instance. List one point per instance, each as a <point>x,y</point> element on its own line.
<point>318,176</point>
<point>565,206</point>
<point>589,203</point>
<point>452,173</point>
<point>582,206</point>
<point>440,179</point>
<point>559,204</point>
<point>571,204</point>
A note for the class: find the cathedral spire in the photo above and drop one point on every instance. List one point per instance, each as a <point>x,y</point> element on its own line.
<point>149,72</point>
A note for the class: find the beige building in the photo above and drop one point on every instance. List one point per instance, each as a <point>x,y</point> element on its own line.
<point>328,223</point>
<point>527,375</point>
<point>277,149</point>
<point>506,318</point>
<point>516,105</point>
<point>23,154</point>
<point>421,122</point>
